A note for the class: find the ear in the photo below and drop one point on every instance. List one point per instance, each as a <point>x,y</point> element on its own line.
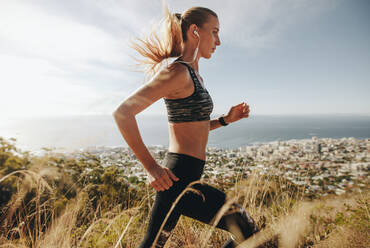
<point>192,28</point>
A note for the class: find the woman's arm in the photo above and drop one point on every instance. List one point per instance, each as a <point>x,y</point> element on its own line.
<point>215,123</point>
<point>235,113</point>
<point>128,127</point>
<point>160,86</point>
<point>159,178</point>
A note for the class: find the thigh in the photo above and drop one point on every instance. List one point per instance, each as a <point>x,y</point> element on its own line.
<point>204,205</point>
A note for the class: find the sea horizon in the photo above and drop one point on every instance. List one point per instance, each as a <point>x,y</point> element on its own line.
<point>82,131</point>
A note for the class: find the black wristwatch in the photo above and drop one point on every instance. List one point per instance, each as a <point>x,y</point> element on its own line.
<point>222,121</point>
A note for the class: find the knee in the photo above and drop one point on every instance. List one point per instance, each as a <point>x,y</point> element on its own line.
<point>243,216</point>
<point>237,221</point>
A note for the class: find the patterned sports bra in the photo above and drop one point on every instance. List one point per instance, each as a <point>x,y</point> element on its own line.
<point>196,107</point>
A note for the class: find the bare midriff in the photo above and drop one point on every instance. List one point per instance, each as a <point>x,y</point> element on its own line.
<point>189,138</point>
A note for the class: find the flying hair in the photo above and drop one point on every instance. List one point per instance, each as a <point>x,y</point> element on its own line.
<point>156,49</point>
<point>170,44</point>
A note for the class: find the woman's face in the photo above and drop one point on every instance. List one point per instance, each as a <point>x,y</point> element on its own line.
<point>209,37</point>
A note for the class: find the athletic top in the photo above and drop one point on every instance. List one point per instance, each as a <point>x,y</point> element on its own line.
<point>196,107</point>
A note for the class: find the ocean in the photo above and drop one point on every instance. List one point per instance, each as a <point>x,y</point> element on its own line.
<point>75,132</point>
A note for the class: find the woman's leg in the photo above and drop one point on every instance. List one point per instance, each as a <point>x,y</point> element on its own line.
<point>187,169</point>
<point>204,208</point>
<point>236,220</point>
<point>158,213</point>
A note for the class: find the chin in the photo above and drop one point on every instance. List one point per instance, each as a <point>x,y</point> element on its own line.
<point>208,56</point>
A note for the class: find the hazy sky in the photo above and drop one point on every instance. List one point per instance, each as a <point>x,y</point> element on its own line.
<point>280,56</point>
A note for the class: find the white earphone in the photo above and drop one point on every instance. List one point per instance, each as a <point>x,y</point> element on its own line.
<point>196,49</point>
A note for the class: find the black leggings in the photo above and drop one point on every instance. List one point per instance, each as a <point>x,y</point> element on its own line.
<point>188,169</point>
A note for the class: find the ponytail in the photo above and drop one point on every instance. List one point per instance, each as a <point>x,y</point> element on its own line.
<point>155,49</point>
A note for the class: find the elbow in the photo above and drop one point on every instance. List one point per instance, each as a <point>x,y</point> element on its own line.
<point>121,113</point>
<point>116,113</point>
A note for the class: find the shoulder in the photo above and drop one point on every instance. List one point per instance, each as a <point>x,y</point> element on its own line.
<point>165,82</point>
<point>175,71</point>
<point>173,76</point>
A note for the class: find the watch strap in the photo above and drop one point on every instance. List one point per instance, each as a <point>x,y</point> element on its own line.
<point>222,121</point>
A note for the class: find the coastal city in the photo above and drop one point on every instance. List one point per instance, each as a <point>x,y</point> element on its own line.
<point>321,165</point>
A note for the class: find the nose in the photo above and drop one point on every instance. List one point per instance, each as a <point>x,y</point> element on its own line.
<point>218,42</point>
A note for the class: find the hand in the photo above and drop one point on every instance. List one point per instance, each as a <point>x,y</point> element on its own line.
<point>160,178</point>
<point>237,112</point>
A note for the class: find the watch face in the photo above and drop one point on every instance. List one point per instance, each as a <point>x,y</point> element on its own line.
<point>222,121</point>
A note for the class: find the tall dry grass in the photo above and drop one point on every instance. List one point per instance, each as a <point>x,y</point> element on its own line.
<point>286,217</point>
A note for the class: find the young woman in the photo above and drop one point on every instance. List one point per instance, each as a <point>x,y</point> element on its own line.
<point>189,36</point>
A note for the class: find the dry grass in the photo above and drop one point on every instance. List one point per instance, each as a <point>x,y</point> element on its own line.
<point>278,207</point>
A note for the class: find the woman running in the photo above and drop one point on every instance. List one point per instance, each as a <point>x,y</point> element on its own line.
<point>188,37</point>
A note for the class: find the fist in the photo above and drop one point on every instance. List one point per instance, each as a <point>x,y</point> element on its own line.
<point>238,112</point>
<point>160,178</point>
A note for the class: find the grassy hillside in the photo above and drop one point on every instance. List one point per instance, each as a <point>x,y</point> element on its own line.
<point>59,201</point>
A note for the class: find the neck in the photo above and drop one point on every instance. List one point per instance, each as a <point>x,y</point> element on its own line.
<point>188,56</point>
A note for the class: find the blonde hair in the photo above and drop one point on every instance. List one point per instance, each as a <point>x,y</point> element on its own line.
<point>175,26</point>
